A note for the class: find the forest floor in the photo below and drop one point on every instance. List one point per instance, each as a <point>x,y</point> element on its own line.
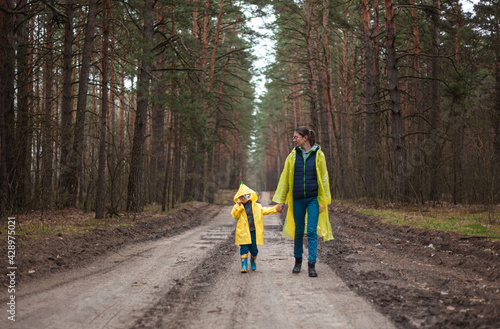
<point>182,270</point>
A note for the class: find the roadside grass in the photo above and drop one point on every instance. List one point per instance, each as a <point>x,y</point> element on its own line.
<point>76,221</point>
<point>466,220</point>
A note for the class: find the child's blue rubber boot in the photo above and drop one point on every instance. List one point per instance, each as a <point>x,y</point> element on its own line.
<point>253,265</point>
<point>244,265</point>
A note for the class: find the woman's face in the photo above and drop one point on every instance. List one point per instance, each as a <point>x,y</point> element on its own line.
<point>299,140</point>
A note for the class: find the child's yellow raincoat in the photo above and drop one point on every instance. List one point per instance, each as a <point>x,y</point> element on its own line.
<point>284,193</point>
<point>242,227</point>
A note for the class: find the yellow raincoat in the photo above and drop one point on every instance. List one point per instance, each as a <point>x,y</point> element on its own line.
<point>284,193</point>
<point>242,227</point>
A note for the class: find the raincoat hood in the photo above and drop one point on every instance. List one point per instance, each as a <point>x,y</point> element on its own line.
<point>245,190</point>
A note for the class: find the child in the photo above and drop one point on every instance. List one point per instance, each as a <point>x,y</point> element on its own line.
<point>250,225</point>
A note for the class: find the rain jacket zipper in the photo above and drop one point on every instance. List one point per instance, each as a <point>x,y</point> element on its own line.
<point>305,159</point>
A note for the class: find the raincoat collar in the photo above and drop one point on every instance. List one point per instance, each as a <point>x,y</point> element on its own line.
<point>315,147</point>
<point>245,190</point>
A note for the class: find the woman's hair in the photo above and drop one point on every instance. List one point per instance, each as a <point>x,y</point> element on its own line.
<point>309,133</point>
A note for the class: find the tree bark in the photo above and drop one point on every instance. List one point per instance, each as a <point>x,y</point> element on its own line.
<point>417,160</point>
<point>221,93</point>
<point>78,150</point>
<point>22,168</point>
<point>435,111</point>
<point>66,106</point>
<point>158,120</point>
<point>397,125</point>
<point>310,66</point>
<point>47,143</point>
<point>377,90</point>
<point>211,183</point>
<point>7,116</point>
<point>121,113</point>
<point>456,108</point>
<point>99,212</point>
<point>134,200</point>
<point>496,112</point>
<point>326,87</point>
<point>369,100</point>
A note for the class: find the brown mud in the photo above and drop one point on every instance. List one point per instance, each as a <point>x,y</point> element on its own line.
<point>420,278</point>
<point>52,253</point>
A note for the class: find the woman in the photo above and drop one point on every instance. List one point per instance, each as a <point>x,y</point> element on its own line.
<point>304,185</point>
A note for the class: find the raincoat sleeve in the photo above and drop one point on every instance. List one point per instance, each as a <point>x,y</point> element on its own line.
<point>269,210</point>
<point>236,211</point>
<point>280,196</point>
<point>325,197</point>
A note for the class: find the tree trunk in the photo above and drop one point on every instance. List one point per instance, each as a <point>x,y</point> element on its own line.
<point>397,125</point>
<point>369,100</point>
<point>210,184</point>
<point>121,114</point>
<point>22,175</point>
<point>419,149</point>
<point>496,114</point>
<point>47,143</point>
<point>7,116</point>
<point>78,149</point>
<point>326,87</point>
<point>158,121</point>
<point>310,67</point>
<point>67,93</point>
<point>435,111</point>
<point>456,109</point>
<point>221,90</point>
<point>99,212</point>
<point>496,110</point>
<point>177,170</point>
<point>376,93</point>
<point>134,200</point>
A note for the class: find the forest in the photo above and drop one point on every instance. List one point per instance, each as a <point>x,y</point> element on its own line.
<point>110,106</point>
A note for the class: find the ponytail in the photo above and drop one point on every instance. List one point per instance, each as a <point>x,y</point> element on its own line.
<point>309,133</point>
<point>312,137</point>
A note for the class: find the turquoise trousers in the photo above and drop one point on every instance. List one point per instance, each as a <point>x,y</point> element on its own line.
<point>300,208</point>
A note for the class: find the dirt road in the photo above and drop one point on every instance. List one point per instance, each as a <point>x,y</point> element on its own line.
<point>182,271</point>
<point>193,280</point>
<point>114,291</point>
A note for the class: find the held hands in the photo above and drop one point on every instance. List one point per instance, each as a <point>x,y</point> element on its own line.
<point>280,207</point>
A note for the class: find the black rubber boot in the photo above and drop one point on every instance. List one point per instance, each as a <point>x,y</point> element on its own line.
<point>312,270</point>
<point>298,265</point>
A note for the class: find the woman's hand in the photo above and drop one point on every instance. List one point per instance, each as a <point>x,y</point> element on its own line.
<point>321,208</point>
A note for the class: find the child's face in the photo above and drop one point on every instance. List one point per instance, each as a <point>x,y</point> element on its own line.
<point>244,199</point>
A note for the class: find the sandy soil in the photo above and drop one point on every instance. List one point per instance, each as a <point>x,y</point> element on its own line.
<point>183,272</point>
<point>270,297</point>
